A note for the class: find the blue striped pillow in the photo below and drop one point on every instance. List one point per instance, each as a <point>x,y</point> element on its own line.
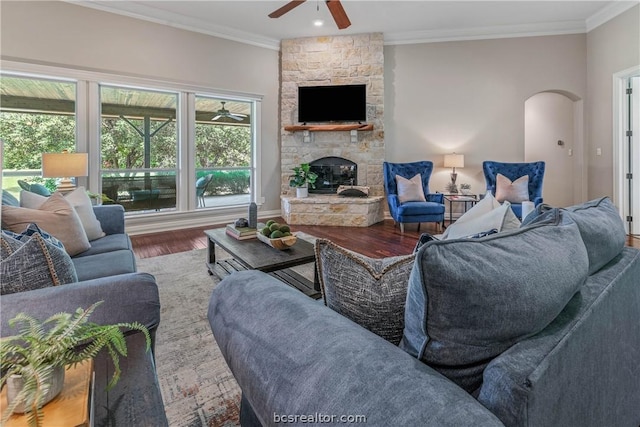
<point>30,231</point>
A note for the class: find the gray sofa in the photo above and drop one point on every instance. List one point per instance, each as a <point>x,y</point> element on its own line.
<point>107,272</point>
<point>295,358</point>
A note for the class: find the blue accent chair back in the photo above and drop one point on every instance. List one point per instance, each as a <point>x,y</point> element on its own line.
<point>411,212</point>
<point>201,186</point>
<point>513,171</point>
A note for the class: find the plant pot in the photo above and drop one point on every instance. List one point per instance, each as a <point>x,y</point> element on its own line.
<point>16,382</point>
<point>302,192</point>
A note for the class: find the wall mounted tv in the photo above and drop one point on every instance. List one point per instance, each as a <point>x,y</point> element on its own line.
<point>342,103</point>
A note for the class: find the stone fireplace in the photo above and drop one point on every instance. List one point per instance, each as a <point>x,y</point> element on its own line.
<point>351,59</point>
<point>332,173</point>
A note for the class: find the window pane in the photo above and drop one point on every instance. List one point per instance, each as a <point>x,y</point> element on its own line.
<point>139,147</point>
<point>223,152</point>
<point>36,116</point>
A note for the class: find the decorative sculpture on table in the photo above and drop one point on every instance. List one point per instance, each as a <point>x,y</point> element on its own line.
<point>453,161</point>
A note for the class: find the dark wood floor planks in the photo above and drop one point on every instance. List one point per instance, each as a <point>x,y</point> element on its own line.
<point>377,241</point>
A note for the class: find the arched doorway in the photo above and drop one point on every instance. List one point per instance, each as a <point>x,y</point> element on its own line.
<point>553,134</point>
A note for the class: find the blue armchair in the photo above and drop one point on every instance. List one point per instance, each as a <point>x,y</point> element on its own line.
<point>513,171</point>
<point>431,210</point>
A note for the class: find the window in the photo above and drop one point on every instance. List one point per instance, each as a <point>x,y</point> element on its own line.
<point>138,147</point>
<point>151,144</point>
<point>223,147</point>
<point>36,116</point>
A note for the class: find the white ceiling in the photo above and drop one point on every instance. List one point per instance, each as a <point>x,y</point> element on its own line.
<point>399,21</point>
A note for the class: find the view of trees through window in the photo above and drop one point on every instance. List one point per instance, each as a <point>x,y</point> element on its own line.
<point>139,142</point>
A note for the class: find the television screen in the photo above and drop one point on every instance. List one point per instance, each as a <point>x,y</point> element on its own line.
<point>332,103</point>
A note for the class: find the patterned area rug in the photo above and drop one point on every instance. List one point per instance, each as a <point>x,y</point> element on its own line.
<point>197,386</point>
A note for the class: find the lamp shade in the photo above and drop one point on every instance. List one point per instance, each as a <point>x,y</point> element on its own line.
<point>57,165</point>
<point>454,160</point>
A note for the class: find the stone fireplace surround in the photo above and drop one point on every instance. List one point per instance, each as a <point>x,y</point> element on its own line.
<point>353,59</point>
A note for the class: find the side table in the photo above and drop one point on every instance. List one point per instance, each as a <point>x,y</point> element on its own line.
<point>468,200</point>
<point>72,407</point>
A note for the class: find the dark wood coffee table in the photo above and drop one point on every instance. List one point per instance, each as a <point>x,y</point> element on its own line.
<point>252,254</point>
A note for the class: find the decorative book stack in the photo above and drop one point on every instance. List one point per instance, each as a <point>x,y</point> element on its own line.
<point>241,233</point>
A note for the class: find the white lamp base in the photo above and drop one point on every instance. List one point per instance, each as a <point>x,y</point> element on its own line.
<point>66,185</point>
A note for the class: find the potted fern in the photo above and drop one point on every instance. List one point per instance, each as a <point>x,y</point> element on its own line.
<point>33,361</point>
<point>303,179</point>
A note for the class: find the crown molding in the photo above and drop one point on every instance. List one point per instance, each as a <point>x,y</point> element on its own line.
<point>609,12</point>
<point>485,33</point>
<point>140,11</point>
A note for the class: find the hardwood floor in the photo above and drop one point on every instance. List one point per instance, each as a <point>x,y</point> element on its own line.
<point>378,241</point>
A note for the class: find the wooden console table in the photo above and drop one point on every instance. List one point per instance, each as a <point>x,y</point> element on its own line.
<point>71,408</point>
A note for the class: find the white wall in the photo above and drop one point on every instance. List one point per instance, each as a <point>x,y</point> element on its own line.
<point>612,47</point>
<point>469,97</point>
<point>58,33</point>
<point>549,119</point>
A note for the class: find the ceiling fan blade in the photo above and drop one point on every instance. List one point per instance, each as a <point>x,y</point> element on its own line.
<point>218,117</point>
<point>286,8</point>
<point>338,13</point>
<point>234,117</point>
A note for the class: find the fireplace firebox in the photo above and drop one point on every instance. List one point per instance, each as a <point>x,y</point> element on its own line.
<point>332,173</point>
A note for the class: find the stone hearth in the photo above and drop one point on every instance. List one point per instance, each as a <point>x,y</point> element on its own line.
<point>323,209</point>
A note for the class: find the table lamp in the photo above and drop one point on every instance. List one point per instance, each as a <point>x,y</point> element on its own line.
<point>453,161</point>
<point>65,165</point>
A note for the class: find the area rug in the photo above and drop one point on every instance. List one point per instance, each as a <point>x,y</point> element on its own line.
<point>197,386</point>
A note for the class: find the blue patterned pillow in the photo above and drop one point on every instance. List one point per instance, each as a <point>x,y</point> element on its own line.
<point>34,265</point>
<point>30,231</point>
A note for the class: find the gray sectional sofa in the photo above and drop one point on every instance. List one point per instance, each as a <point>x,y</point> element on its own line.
<point>296,359</point>
<point>107,272</point>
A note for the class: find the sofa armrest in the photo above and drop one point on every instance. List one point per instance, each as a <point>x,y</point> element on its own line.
<point>292,356</point>
<point>111,218</point>
<point>129,297</point>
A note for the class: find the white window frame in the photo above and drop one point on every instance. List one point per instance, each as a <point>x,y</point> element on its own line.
<point>88,138</point>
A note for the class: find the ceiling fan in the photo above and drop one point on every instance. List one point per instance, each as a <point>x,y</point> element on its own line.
<point>224,113</point>
<point>335,7</point>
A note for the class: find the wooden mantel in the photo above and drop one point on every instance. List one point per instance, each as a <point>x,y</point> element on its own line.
<point>329,128</point>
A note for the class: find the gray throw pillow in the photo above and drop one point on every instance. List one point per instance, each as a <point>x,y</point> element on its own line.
<point>371,292</point>
<point>8,244</point>
<point>470,300</point>
<point>35,264</point>
<point>600,226</point>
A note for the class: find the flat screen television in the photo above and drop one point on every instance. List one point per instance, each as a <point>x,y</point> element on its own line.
<point>343,103</point>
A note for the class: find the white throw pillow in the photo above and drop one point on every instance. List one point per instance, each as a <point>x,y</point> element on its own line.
<point>514,192</point>
<point>410,190</point>
<point>501,219</point>
<point>81,203</point>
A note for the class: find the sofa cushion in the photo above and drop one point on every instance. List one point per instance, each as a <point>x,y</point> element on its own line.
<point>600,226</point>
<point>514,192</point>
<point>56,216</point>
<point>110,243</point>
<point>9,199</point>
<point>410,190</point>
<point>104,264</point>
<point>35,264</point>
<point>80,201</point>
<point>470,300</point>
<point>371,292</point>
